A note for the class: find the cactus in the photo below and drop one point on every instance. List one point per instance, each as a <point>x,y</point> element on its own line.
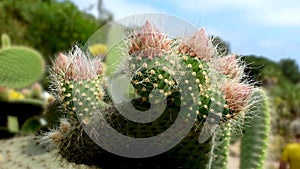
<point>254,141</point>
<point>185,76</point>
<point>20,67</point>
<point>24,152</point>
<point>220,150</point>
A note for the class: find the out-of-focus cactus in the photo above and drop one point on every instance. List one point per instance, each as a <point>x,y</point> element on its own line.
<point>20,68</point>
<point>187,72</point>
<point>25,153</point>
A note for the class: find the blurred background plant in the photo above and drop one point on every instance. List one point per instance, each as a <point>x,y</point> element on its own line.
<point>22,98</point>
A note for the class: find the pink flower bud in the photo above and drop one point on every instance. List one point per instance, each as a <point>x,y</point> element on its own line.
<point>229,66</point>
<point>199,45</point>
<point>61,62</point>
<point>77,66</point>
<point>148,42</point>
<point>236,95</point>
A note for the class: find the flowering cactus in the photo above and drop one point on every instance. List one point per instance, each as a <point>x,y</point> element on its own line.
<point>186,76</point>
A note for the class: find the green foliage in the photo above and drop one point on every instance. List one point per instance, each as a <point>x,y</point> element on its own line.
<point>13,125</point>
<point>290,69</point>
<point>31,125</point>
<point>262,69</point>
<point>279,79</point>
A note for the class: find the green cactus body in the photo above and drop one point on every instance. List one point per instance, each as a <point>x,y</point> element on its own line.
<point>20,67</point>
<point>220,151</point>
<point>185,77</point>
<point>78,88</point>
<point>254,141</point>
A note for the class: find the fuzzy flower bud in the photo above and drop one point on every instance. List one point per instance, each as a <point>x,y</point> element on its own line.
<point>229,66</point>
<point>77,66</point>
<point>199,45</point>
<point>236,95</point>
<point>61,62</point>
<point>149,42</point>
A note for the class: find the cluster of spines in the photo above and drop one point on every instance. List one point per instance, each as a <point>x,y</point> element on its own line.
<point>225,99</point>
<point>55,137</point>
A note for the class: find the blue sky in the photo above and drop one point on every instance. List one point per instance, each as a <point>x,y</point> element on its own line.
<point>269,28</point>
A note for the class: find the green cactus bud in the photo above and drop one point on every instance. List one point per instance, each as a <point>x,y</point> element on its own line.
<point>20,67</point>
<point>5,41</point>
<point>36,90</point>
